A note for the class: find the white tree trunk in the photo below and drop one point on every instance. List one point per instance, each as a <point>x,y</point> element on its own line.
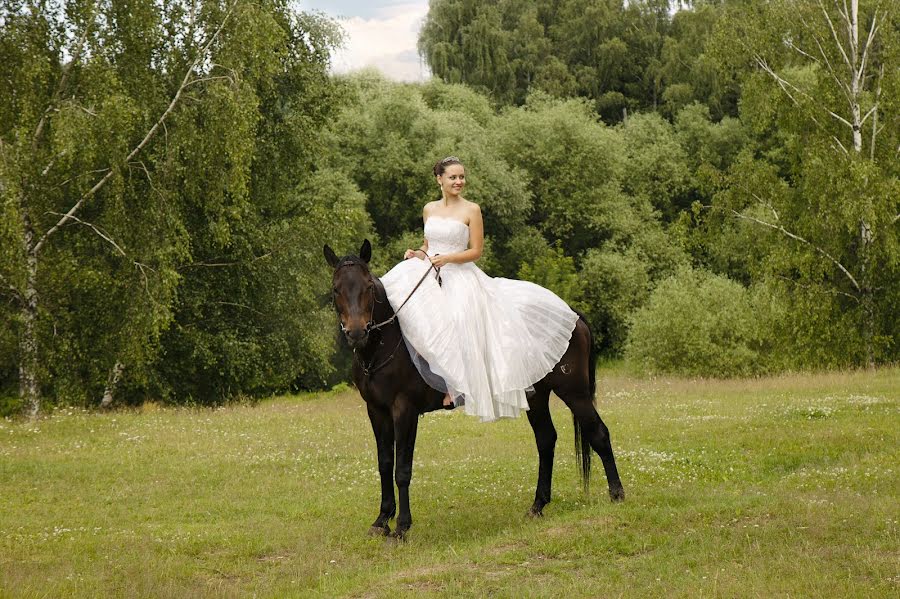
<point>29,386</point>
<point>114,376</point>
<point>857,74</point>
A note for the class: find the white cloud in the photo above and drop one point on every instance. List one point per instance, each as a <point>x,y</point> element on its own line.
<point>386,41</point>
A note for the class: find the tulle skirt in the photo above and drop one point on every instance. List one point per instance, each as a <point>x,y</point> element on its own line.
<point>485,340</point>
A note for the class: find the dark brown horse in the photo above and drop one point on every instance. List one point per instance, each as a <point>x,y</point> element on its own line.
<point>395,393</point>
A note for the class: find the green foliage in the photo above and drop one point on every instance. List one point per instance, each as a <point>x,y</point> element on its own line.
<point>705,142</point>
<point>614,286</point>
<point>571,165</point>
<point>259,324</point>
<point>656,164</point>
<point>697,323</point>
<point>175,263</point>
<point>553,182</point>
<point>555,271</point>
<point>388,138</point>
<point>197,208</point>
<point>621,56</point>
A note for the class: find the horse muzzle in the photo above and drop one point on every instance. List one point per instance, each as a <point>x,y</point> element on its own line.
<point>357,336</point>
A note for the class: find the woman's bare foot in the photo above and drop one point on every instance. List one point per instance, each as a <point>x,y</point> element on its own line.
<point>448,402</point>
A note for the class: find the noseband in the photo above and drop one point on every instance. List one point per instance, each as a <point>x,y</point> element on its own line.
<point>371,368</point>
<point>370,325</point>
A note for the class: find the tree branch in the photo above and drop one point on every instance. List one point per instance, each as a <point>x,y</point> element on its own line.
<point>239,306</point>
<point>875,129</point>
<point>142,268</point>
<point>762,201</point>
<point>202,79</point>
<point>76,56</point>
<point>795,237</point>
<point>286,241</point>
<point>99,185</point>
<point>149,178</point>
<point>96,230</point>
<point>845,89</point>
<point>872,31</point>
<point>868,114</point>
<point>51,163</point>
<point>784,84</point>
<point>835,35</point>
<point>819,289</point>
<point>790,44</point>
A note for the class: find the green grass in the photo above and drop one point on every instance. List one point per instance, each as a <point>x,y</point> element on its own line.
<point>785,486</point>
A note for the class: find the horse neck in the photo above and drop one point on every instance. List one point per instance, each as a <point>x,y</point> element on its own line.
<point>389,334</point>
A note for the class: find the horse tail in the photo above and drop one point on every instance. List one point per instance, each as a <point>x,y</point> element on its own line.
<point>583,446</point>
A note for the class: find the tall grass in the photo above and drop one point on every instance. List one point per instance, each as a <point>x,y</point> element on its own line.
<point>779,486</point>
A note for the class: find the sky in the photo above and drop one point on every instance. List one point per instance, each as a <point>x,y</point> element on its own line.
<point>379,33</point>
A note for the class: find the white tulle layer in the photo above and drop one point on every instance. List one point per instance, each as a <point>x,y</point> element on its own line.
<point>488,339</point>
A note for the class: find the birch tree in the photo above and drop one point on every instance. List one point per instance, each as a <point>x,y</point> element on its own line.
<point>825,87</point>
<point>110,113</point>
<point>81,113</point>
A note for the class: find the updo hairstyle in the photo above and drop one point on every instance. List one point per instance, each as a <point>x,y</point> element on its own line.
<point>441,165</point>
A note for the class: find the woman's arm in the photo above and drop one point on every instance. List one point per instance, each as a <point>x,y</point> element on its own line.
<point>418,252</point>
<point>476,243</point>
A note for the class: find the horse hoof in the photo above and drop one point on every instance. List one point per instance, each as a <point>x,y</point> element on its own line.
<point>379,531</point>
<point>397,537</point>
<point>617,495</point>
<point>533,513</point>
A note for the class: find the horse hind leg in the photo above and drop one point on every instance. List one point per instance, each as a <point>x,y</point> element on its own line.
<point>545,438</point>
<point>595,432</point>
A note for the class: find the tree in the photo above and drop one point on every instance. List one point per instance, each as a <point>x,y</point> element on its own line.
<point>826,85</point>
<point>389,136</point>
<point>79,118</point>
<point>592,186</point>
<point>622,56</point>
<point>140,143</point>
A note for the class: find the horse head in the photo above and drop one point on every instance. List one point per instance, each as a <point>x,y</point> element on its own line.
<point>353,293</point>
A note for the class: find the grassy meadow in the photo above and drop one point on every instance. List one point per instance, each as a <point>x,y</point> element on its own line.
<point>786,486</point>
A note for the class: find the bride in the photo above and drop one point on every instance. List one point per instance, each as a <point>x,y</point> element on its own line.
<point>484,341</point>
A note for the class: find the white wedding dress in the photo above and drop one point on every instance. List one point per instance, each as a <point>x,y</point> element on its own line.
<point>485,340</point>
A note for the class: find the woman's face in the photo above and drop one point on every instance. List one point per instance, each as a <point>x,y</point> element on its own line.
<point>453,180</point>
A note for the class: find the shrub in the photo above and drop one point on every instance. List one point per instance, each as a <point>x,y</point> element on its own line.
<point>696,323</point>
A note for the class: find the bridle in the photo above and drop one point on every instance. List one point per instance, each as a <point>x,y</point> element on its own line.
<point>371,326</point>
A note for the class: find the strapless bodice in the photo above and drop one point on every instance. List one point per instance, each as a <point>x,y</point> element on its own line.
<point>446,235</point>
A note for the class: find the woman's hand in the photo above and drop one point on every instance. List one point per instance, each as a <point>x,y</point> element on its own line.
<point>410,254</point>
<point>440,260</point>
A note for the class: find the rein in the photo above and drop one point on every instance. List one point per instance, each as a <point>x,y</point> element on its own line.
<point>437,273</point>
<point>372,368</point>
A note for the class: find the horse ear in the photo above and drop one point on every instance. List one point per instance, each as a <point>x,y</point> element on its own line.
<point>330,256</point>
<point>365,252</point>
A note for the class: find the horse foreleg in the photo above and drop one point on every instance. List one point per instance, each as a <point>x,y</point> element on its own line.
<point>545,438</point>
<point>383,427</point>
<point>594,430</point>
<point>405,426</point>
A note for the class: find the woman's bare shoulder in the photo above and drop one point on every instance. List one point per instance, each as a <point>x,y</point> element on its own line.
<point>428,207</point>
<point>472,209</point>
